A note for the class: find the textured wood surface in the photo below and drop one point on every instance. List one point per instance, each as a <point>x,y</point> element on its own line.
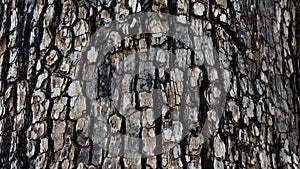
<point>47,119</point>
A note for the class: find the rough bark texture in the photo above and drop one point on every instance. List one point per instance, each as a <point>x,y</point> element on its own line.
<point>46,118</point>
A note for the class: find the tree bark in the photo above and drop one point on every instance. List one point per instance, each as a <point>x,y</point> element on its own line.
<point>47,119</point>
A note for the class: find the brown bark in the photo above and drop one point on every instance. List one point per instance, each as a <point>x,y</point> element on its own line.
<point>46,119</point>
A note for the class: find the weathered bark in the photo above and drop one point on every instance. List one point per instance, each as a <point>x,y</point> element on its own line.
<point>46,117</point>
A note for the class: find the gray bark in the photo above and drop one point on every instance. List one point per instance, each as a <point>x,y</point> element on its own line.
<point>47,119</point>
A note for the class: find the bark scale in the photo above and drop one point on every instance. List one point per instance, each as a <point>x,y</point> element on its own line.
<point>46,116</point>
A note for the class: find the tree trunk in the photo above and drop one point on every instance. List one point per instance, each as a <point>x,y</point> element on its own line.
<point>50,118</point>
